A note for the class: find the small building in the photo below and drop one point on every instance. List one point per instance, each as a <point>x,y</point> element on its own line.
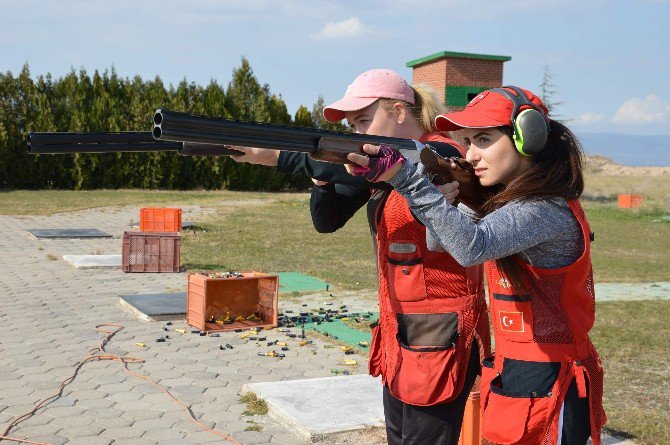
<point>461,76</point>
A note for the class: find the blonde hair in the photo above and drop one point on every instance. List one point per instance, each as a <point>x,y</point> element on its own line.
<point>427,106</point>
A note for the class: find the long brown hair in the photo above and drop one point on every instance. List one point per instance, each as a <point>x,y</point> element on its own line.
<point>554,172</point>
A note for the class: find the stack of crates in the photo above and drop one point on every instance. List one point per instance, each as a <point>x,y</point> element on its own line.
<point>226,302</point>
<point>156,247</point>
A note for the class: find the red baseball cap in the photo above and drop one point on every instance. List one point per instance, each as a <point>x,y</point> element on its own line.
<point>488,109</point>
<point>367,88</point>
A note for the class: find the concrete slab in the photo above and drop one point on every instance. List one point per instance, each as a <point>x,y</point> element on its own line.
<point>68,233</point>
<point>632,291</point>
<point>321,408</point>
<point>318,408</point>
<point>156,307</point>
<point>610,440</point>
<point>93,261</point>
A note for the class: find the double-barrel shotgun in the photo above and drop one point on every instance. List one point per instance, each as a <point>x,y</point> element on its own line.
<point>194,135</point>
<point>115,142</point>
<point>322,145</point>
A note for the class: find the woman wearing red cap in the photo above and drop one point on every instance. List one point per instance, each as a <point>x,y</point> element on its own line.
<point>433,322</point>
<point>544,385</point>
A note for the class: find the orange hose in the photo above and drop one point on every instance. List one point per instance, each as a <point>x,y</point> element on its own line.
<point>101,354</point>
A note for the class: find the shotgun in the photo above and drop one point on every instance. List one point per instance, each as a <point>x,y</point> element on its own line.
<point>193,135</point>
<point>321,145</point>
<point>126,141</point>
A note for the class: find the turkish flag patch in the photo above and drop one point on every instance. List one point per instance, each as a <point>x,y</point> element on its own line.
<point>511,321</point>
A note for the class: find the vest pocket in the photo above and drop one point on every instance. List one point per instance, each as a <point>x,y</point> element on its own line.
<point>513,316</point>
<point>429,359</point>
<point>375,358</point>
<point>427,332</point>
<point>488,374</point>
<point>512,417</point>
<point>406,279</point>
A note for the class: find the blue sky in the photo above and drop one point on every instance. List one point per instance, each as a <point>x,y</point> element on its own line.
<point>608,59</point>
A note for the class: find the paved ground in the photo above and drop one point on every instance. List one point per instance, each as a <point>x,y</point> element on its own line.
<point>48,311</point>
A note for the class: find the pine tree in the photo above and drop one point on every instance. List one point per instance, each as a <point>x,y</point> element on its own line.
<point>548,93</point>
<point>303,118</point>
<point>79,102</point>
<point>247,99</point>
<point>320,122</point>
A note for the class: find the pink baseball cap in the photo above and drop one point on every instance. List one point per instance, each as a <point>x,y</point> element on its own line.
<point>367,88</point>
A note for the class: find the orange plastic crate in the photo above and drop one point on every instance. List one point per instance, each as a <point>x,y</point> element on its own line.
<point>630,201</point>
<point>471,430</point>
<point>209,299</point>
<point>159,219</point>
<point>151,251</point>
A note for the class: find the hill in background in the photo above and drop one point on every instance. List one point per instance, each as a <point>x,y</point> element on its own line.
<point>602,166</point>
<point>633,150</point>
<point>605,180</point>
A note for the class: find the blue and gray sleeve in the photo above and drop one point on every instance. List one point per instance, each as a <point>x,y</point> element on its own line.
<point>543,233</point>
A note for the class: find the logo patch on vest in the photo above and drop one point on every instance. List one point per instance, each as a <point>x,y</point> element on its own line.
<point>504,283</point>
<point>402,248</point>
<point>511,321</point>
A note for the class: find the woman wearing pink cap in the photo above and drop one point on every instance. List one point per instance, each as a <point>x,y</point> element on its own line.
<point>544,385</point>
<point>433,322</point>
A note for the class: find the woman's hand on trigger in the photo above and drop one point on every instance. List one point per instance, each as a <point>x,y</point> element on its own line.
<point>261,156</point>
<point>449,190</point>
<point>383,166</point>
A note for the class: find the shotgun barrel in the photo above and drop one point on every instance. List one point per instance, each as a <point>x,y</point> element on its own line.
<point>115,142</point>
<point>322,145</point>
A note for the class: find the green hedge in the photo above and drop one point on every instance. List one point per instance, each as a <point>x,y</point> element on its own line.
<point>107,102</point>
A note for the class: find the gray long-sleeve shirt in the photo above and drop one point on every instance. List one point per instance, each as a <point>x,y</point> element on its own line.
<point>544,233</point>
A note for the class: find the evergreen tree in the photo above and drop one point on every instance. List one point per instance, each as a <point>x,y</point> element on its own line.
<point>320,122</point>
<point>303,117</point>
<point>548,93</point>
<point>247,99</point>
<point>103,101</point>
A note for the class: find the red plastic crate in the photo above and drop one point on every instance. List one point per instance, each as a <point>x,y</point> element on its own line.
<point>630,201</point>
<point>160,219</point>
<point>151,251</point>
<point>210,299</point>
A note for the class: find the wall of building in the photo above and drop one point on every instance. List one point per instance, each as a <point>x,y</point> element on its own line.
<point>459,79</point>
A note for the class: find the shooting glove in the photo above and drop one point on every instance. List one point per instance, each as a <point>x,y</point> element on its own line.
<point>385,158</point>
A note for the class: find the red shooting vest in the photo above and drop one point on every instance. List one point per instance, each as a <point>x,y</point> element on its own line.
<point>430,311</point>
<point>551,325</point>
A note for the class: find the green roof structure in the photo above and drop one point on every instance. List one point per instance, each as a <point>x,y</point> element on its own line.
<point>457,55</point>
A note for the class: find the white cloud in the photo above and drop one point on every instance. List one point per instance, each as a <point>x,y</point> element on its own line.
<point>588,118</point>
<point>650,109</point>
<point>349,28</point>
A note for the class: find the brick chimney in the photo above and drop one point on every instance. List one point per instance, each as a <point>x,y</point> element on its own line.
<point>460,76</point>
